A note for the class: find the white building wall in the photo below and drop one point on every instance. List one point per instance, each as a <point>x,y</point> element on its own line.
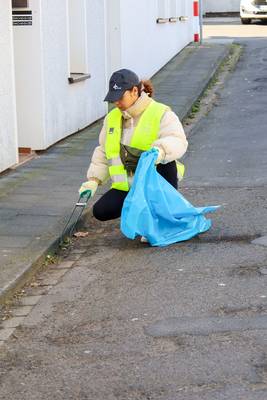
<point>29,80</point>
<point>8,130</point>
<point>147,46</point>
<point>49,108</point>
<point>69,108</point>
<point>118,34</point>
<point>220,6</point>
<point>113,36</point>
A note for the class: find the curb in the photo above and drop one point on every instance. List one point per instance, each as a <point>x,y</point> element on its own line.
<point>32,267</point>
<point>187,109</point>
<point>226,14</point>
<point>29,270</point>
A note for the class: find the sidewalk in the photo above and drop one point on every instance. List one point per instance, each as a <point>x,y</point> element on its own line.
<point>37,198</point>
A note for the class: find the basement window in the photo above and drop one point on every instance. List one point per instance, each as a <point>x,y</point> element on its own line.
<point>78,64</point>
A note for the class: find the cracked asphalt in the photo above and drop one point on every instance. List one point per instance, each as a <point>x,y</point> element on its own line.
<point>186,322</point>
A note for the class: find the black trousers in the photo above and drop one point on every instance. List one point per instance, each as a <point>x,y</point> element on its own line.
<point>109,206</point>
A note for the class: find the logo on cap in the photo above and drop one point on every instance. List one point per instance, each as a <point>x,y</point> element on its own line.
<point>116,87</point>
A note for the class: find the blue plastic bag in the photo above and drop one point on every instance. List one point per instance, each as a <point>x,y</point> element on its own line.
<point>155,209</point>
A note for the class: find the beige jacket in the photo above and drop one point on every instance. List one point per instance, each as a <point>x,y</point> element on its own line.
<point>171,138</point>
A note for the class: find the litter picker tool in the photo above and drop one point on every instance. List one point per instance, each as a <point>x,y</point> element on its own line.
<point>75,216</point>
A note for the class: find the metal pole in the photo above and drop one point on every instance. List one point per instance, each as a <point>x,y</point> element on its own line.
<point>200,21</point>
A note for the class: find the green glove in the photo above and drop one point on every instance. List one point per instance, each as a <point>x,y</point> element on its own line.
<point>89,186</point>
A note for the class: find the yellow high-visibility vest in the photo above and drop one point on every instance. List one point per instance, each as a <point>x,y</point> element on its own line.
<point>144,135</point>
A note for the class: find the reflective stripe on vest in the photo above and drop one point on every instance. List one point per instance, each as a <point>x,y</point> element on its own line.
<point>180,170</point>
<point>143,136</point>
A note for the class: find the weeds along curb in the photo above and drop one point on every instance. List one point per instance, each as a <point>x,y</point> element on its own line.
<point>46,257</point>
<point>227,65</point>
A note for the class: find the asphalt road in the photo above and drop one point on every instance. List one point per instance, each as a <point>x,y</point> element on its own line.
<point>187,322</point>
<point>232,28</point>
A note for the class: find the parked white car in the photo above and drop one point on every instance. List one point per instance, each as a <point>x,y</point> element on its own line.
<point>253,9</point>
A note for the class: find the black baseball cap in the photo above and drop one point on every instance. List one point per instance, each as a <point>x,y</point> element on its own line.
<point>120,81</point>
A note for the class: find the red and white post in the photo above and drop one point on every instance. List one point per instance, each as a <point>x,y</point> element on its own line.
<point>196,21</point>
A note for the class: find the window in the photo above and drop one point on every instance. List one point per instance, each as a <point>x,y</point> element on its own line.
<point>77,36</point>
<point>19,3</point>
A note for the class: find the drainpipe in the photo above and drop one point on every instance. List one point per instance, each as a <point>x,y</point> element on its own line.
<point>196,21</point>
<point>201,20</point>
